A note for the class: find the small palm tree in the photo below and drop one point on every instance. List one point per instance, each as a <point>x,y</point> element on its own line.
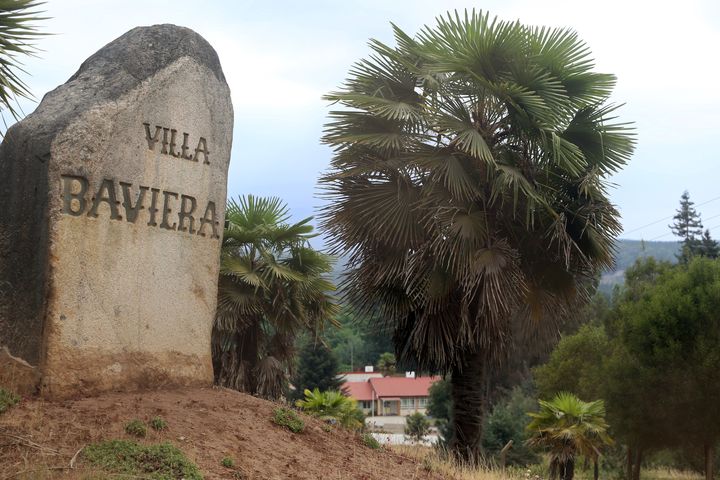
<point>387,363</point>
<point>567,427</point>
<point>333,405</point>
<point>272,285</point>
<point>17,34</point>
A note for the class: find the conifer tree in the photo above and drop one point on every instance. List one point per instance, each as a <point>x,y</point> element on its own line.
<point>688,227</point>
<point>317,368</point>
<point>710,248</point>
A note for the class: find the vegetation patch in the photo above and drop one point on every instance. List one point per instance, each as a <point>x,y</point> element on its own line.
<point>370,441</point>
<point>227,462</point>
<point>7,399</point>
<point>160,462</point>
<point>158,424</point>
<point>289,419</point>
<point>136,428</point>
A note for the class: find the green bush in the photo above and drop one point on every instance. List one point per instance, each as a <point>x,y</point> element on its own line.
<point>417,426</point>
<point>7,399</point>
<point>158,424</point>
<point>507,421</point>
<point>289,419</point>
<point>160,462</point>
<point>227,462</point>
<point>333,405</point>
<point>370,441</point>
<point>136,428</point>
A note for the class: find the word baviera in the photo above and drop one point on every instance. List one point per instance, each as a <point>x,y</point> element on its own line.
<point>76,203</point>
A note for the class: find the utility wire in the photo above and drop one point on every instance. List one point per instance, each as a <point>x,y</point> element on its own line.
<point>668,218</point>
<point>704,228</point>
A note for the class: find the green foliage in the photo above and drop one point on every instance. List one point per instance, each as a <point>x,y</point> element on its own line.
<point>387,363</point>
<point>688,227</point>
<point>317,368</point>
<point>508,420</point>
<point>161,462</point>
<point>575,365</point>
<point>17,34</point>
<point>672,335</point>
<point>7,399</point>
<point>654,360</point>
<point>354,344</point>
<point>417,426</point>
<point>158,424</point>
<point>136,428</point>
<point>272,285</point>
<point>227,462</point>
<point>370,441</point>
<point>440,408</point>
<point>287,418</point>
<point>567,427</point>
<point>333,405</point>
<point>440,401</point>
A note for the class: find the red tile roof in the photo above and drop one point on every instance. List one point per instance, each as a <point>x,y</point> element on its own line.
<point>402,386</point>
<point>390,387</point>
<point>358,390</point>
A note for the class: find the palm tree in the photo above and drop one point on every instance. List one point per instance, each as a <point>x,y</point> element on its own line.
<point>468,191</point>
<point>567,427</point>
<point>272,285</point>
<point>333,405</point>
<point>17,34</point>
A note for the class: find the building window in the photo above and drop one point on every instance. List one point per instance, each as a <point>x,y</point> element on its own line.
<point>365,404</point>
<point>407,403</point>
<point>423,402</point>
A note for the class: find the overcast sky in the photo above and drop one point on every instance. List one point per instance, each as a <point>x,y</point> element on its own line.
<point>281,57</point>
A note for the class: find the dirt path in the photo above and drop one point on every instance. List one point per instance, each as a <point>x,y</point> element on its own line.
<point>207,424</point>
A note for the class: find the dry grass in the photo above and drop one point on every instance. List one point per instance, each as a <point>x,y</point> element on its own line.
<point>669,474</point>
<point>433,461</point>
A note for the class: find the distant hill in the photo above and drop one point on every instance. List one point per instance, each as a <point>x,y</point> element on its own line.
<point>628,251</point>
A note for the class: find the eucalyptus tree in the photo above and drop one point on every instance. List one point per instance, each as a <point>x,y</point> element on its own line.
<point>272,286</point>
<point>468,189</point>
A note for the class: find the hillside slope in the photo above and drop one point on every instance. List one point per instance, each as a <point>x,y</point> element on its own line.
<point>38,439</point>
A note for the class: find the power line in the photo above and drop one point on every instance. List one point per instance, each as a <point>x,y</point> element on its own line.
<point>668,218</point>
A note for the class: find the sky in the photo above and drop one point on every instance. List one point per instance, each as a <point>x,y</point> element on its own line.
<point>280,57</point>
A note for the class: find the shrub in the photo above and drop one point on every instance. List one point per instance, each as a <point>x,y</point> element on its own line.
<point>227,462</point>
<point>158,424</point>
<point>333,405</point>
<point>7,399</point>
<point>136,428</point>
<point>370,441</point>
<point>289,419</point>
<point>161,462</point>
<point>417,426</point>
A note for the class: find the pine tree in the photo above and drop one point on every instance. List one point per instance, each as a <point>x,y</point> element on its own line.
<point>709,247</point>
<point>317,368</point>
<point>688,227</point>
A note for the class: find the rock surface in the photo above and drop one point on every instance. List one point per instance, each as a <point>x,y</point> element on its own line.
<point>113,198</point>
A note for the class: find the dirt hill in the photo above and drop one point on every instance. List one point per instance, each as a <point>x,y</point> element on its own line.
<point>38,439</point>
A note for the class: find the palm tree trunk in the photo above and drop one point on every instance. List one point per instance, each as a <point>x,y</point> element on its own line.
<point>596,470</point>
<point>629,473</point>
<point>638,462</point>
<point>467,395</point>
<point>709,461</point>
<point>568,470</point>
